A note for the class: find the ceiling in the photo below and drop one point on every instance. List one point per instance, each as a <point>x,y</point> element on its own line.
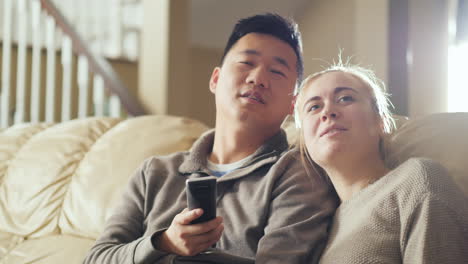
<point>213,20</point>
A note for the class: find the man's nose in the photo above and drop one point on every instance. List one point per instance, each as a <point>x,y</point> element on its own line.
<point>258,77</point>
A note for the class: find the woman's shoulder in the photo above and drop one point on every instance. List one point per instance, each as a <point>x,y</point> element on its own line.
<point>422,169</point>
<point>427,178</point>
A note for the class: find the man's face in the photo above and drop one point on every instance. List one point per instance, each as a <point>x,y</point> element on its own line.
<point>256,81</point>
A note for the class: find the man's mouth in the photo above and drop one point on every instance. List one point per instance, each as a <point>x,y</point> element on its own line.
<point>254,96</point>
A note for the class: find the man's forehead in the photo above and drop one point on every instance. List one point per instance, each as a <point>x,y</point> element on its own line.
<point>252,44</point>
<point>252,41</point>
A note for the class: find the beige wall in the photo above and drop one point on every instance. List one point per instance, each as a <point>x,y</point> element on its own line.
<point>428,64</point>
<point>327,27</point>
<point>357,27</point>
<point>165,58</point>
<point>202,100</point>
<point>361,28</point>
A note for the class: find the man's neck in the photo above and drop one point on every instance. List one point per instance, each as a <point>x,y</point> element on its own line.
<point>233,143</point>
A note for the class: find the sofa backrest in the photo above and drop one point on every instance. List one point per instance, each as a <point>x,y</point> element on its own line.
<point>442,137</point>
<point>66,178</point>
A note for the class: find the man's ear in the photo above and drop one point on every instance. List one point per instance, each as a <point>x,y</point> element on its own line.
<point>293,103</point>
<point>214,79</point>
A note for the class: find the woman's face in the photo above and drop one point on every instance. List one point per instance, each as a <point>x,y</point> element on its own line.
<point>339,122</point>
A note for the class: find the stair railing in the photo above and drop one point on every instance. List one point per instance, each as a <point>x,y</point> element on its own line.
<point>28,101</point>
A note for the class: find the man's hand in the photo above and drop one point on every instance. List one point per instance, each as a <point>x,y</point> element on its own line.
<point>185,239</point>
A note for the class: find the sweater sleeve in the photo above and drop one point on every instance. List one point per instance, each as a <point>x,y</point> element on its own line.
<point>301,209</point>
<point>437,234</point>
<point>122,240</point>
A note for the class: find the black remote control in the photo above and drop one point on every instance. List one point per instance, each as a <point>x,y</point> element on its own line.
<point>201,193</point>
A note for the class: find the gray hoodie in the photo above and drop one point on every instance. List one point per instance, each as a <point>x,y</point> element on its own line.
<point>273,211</point>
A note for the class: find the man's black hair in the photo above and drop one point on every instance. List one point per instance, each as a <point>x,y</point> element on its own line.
<point>274,25</point>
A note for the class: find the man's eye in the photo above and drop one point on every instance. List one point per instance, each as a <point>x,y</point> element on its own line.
<point>278,73</point>
<point>246,63</point>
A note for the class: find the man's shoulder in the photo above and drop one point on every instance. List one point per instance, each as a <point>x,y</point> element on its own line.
<point>289,155</point>
<point>290,167</point>
<point>163,164</point>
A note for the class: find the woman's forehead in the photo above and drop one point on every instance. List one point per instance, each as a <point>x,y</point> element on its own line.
<point>335,79</point>
<point>332,80</point>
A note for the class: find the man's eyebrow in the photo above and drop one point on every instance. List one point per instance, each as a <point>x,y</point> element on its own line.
<point>251,52</point>
<point>282,62</point>
<point>276,58</point>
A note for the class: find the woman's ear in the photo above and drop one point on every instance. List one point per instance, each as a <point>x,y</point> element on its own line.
<point>293,104</point>
<point>382,131</point>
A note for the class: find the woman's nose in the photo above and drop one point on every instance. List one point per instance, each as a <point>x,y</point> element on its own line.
<point>329,114</point>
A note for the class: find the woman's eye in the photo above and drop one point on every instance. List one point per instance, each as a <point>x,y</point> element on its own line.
<point>346,98</point>
<point>313,108</point>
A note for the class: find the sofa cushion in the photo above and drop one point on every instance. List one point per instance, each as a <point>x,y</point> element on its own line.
<point>442,137</point>
<point>37,178</point>
<point>11,141</point>
<point>103,173</point>
<point>8,242</point>
<point>66,177</point>
<point>57,249</point>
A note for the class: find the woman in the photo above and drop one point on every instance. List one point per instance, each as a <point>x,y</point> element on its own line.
<point>410,214</point>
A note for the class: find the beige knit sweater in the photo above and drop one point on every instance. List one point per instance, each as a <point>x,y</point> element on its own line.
<point>414,214</point>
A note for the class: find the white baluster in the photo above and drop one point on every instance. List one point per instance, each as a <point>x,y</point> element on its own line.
<point>114,29</point>
<point>67,77</point>
<point>50,81</point>
<point>115,106</point>
<point>21,65</point>
<point>36,61</point>
<point>83,86</point>
<point>5,118</point>
<point>98,96</point>
<point>98,27</point>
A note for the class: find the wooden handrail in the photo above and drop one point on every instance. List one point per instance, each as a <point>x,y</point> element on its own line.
<point>97,64</point>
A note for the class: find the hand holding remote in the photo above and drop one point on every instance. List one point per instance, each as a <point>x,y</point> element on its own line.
<point>186,239</point>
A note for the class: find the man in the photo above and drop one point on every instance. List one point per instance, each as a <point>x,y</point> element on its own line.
<point>269,209</point>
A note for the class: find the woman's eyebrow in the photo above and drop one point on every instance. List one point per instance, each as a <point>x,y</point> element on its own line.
<point>344,88</point>
<point>315,98</point>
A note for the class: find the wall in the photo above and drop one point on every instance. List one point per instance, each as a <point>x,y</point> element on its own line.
<point>357,27</point>
<point>203,60</point>
<point>414,67</point>
<point>428,57</point>
<point>327,27</point>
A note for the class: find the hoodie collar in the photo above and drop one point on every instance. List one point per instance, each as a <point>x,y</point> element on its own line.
<point>196,161</point>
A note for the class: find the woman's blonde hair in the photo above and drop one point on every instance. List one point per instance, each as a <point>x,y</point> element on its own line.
<point>379,99</point>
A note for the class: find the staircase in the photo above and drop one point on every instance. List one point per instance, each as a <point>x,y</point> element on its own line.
<point>61,68</point>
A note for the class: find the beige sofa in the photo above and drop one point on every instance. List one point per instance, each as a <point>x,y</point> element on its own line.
<point>58,183</point>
